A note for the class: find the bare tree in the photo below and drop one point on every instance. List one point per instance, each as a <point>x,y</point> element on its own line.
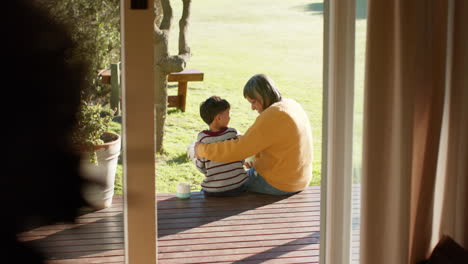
<point>165,63</point>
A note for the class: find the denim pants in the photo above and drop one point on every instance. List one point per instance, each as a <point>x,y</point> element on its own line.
<point>257,184</point>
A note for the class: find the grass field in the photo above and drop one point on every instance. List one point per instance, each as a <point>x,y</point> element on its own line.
<point>231,41</point>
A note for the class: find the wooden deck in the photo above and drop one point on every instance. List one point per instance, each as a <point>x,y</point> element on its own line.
<point>252,228</point>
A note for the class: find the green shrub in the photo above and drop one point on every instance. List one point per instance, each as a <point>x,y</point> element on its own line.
<point>93,122</point>
<point>95,27</point>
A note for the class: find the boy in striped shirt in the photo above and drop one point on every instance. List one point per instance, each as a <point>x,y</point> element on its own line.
<point>221,179</point>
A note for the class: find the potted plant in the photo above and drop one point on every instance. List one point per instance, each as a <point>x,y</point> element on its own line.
<point>94,27</point>
<point>100,150</point>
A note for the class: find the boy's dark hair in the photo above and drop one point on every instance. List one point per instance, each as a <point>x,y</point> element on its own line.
<point>211,107</point>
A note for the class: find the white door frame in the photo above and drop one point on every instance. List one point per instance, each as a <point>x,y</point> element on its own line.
<point>140,225</point>
<point>337,131</point>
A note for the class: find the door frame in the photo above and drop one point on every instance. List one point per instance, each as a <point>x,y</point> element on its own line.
<point>337,131</point>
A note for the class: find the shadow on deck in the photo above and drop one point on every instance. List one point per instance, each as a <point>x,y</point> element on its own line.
<point>252,228</point>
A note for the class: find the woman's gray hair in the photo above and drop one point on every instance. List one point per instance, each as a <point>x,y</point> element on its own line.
<point>262,86</point>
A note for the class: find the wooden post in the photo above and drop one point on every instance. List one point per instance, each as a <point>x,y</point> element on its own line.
<point>138,130</point>
<point>115,87</point>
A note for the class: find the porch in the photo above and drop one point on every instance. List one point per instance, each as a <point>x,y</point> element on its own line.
<point>253,228</point>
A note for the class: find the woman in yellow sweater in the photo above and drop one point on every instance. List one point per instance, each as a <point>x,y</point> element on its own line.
<point>280,138</point>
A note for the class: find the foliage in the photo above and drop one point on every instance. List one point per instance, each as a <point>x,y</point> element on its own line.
<point>95,27</point>
<point>93,121</point>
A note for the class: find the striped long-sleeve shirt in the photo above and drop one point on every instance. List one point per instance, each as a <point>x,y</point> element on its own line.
<point>220,176</point>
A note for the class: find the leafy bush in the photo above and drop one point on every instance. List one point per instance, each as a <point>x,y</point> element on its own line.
<point>95,28</point>
<point>93,122</point>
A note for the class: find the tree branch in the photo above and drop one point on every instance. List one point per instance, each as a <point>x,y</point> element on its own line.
<point>161,45</point>
<point>175,63</point>
<point>157,30</point>
<point>183,28</point>
<point>167,15</point>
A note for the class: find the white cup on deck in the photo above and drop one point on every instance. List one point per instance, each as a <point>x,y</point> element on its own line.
<point>183,190</point>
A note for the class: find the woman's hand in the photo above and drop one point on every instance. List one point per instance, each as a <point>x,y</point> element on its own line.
<point>248,164</point>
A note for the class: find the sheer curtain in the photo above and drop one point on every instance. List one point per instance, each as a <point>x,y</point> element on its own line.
<point>415,153</point>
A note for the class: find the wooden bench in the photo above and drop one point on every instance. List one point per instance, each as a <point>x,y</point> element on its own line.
<point>183,77</point>
<point>111,76</point>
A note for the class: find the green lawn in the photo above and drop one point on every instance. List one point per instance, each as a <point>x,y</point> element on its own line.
<point>231,41</point>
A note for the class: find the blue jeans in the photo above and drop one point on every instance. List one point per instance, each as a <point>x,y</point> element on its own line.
<point>257,184</point>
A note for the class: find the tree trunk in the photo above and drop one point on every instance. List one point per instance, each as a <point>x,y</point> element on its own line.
<point>160,107</point>
<point>166,64</point>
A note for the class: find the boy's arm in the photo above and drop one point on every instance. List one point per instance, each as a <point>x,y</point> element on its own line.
<point>200,164</point>
<point>191,152</point>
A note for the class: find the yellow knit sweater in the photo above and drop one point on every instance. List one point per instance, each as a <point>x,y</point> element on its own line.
<point>280,139</point>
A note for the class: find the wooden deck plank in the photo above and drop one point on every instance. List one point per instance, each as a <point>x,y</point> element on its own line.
<point>95,231</point>
<point>264,222</point>
<point>218,240</point>
<point>307,240</point>
<point>235,258</point>
<point>252,228</point>
<point>292,260</point>
<point>93,259</point>
<point>239,252</point>
<point>244,234</point>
